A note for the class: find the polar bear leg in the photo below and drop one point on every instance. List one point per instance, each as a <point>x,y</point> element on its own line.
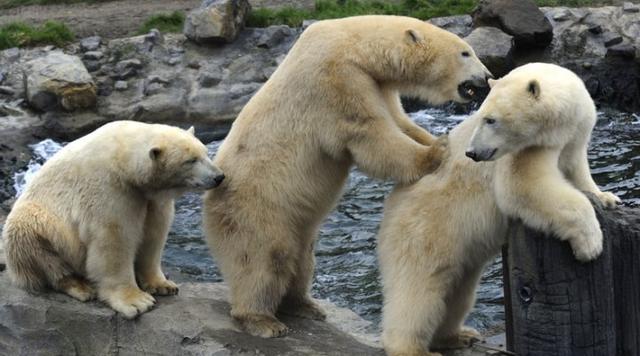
<point>297,301</point>
<point>148,262</point>
<point>563,211</point>
<point>374,139</point>
<point>452,333</point>
<point>110,259</point>
<point>575,165</point>
<point>259,280</point>
<point>414,307</point>
<point>410,128</point>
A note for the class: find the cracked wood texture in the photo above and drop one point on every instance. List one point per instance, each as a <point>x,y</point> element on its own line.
<point>557,306</point>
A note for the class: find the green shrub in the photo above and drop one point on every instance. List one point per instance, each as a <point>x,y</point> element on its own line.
<point>18,34</point>
<point>165,23</point>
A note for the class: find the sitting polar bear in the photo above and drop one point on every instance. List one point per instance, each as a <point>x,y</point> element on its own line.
<point>438,233</point>
<point>332,103</point>
<point>97,214</point>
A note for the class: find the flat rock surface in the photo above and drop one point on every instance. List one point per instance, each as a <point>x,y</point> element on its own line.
<point>195,322</point>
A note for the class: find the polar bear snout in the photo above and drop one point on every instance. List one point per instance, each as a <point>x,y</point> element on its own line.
<point>481,155</point>
<point>206,176</point>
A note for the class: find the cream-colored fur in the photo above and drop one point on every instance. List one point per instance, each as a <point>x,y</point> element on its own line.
<point>438,233</point>
<point>333,102</point>
<point>96,216</point>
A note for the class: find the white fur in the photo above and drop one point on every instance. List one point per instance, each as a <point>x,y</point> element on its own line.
<point>438,233</point>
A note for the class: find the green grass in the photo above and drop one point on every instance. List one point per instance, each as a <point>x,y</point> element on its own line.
<point>165,23</point>
<point>422,9</point>
<point>22,35</point>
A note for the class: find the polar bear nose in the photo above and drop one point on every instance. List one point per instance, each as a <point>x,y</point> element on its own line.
<point>472,154</point>
<point>219,179</point>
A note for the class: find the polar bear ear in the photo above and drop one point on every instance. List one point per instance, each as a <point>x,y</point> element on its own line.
<point>414,36</point>
<point>154,153</point>
<point>192,130</point>
<point>534,88</point>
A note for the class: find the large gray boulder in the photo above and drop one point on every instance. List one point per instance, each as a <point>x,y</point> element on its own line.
<point>521,19</point>
<point>494,48</point>
<point>59,80</point>
<point>217,20</point>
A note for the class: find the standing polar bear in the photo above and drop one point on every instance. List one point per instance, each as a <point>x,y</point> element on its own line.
<point>437,234</point>
<point>97,214</point>
<point>332,103</point>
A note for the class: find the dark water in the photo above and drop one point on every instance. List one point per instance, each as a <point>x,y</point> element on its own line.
<point>346,266</point>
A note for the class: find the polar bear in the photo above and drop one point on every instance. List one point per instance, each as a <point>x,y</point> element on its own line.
<point>531,136</point>
<point>332,103</point>
<point>97,214</point>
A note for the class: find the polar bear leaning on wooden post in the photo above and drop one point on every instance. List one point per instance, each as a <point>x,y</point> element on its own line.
<point>530,138</point>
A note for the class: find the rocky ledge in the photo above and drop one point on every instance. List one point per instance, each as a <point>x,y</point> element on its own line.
<point>195,322</point>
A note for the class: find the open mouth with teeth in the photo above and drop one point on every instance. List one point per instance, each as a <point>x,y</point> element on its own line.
<point>467,90</point>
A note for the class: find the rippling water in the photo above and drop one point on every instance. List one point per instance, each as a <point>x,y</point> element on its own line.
<point>346,266</point>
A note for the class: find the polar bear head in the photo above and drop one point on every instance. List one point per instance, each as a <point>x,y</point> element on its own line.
<point>440,66</point>
<point>178,161</point>
<point>536,105</point>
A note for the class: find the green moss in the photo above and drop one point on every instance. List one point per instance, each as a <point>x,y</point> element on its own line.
<point>166,23</point>
<point>22,35</point>
<point>422,9</point>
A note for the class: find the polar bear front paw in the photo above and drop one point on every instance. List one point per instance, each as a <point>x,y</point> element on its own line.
<point>130,301</point>
<point>587,248</point>
<point>609,200</point>
<point>159,286</point>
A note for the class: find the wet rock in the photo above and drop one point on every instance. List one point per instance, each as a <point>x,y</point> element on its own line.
<point>629,7</point>
<point>519,18</point>
<point>93,55</point>
<point>216,20</point>
<point>625,50</point>
<point>121,85</point>
<point>172,61</point>
<point>494,48</point>
<point>5,90</point>
<point>611,39</point>
<point>595,29</point>
<point>58,79</point>
<point>92,66</point>
<point>3,76</point>
<point>273,36</point>
<point>153,88</point>
<point>126,69</point>
<point>460,25</point>
<point>90,43</point>
<point>208,79</point>
<point>562,15</point>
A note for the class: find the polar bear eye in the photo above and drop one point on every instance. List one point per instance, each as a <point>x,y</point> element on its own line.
<point>466,54</point>
<point>490,121</point>
<point>192,161</point>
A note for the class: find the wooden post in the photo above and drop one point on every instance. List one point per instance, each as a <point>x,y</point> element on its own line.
<point>561,307</point>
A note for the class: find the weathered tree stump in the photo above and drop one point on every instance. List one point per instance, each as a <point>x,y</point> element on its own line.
<point>558,306</point>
